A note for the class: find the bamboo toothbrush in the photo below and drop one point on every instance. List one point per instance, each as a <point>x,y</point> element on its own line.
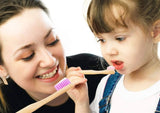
<point>109,70</point>
<point>61,87</point>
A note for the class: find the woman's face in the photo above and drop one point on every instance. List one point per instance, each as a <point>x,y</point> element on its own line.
<point>32,53</point>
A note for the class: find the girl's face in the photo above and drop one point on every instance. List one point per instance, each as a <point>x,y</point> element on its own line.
<point>32,53</point>
<point>128,50</point>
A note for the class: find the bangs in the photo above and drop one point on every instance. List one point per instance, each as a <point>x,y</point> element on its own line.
<point>106,18</point>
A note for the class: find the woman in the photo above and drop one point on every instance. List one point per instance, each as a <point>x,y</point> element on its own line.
<point>33,57</point>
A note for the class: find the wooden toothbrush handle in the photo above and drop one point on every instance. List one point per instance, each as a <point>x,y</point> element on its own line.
<point>32,107</point>
<point>92,72</point>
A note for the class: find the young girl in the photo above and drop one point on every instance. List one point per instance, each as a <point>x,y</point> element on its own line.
<point>32,55</point>
<point>128,32</point>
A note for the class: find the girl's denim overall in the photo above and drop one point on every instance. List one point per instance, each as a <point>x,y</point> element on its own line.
<point>104,104</point>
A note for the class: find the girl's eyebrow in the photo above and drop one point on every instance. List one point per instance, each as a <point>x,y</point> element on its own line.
<point>120,30</point>
<point>29,45</point>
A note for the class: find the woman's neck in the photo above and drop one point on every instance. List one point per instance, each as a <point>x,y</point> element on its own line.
<point>59,100</point>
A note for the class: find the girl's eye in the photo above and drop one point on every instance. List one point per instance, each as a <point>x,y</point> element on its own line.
<point>120,38</point>
<point>101,40</point>
<point>53,43</point>
<point>28,57</point>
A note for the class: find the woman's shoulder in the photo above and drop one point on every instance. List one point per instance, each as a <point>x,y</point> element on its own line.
<point>87,61</point>
<point>11,87</point>
<point>15,97</point>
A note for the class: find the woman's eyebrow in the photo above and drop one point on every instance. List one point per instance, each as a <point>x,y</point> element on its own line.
<point>48,33</point>
<point>29,45</point>
<point>23,47</point>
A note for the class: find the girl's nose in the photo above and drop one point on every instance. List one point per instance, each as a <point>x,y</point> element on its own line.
<point>46,59</point>
<point>110,50</point>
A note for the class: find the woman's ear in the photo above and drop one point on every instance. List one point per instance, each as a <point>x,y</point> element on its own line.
<point>3,74</point>
<point>156,31</point>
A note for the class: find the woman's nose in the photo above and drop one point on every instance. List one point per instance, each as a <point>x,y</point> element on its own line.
<point>46,59</point>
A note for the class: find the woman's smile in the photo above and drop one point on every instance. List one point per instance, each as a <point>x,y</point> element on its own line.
<point>50,75</point>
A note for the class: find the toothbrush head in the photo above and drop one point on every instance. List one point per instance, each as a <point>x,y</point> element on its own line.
<point>110,68</point>
<point>62,83</point>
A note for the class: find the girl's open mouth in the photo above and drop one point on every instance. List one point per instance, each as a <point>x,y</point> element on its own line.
<point>117,64</point>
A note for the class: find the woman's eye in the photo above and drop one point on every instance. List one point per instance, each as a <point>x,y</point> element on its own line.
<point>101,40</point>
<point>53,43</point>
<point>120,38</point>
<point>28,57</point>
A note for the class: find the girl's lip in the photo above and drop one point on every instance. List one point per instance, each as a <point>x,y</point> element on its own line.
<point>118,64</point>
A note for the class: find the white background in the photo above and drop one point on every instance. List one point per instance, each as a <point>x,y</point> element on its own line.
<point>69,19</point>
<point>71,25</point>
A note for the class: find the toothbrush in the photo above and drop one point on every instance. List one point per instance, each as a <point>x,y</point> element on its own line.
<point>109,70</point>
<point>61,87</point>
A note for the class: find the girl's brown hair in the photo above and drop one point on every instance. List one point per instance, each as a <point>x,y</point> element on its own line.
<point>102,19</point>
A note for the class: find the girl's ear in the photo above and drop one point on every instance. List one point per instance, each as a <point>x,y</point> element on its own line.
<point>3,75</point>
<point>156,31</point>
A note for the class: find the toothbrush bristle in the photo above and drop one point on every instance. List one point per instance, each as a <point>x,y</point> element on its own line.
<point>110,68</point>
<point>64,82</point>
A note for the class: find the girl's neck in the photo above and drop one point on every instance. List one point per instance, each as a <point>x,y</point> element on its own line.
<point>144,77</point>
<point>150,70</point>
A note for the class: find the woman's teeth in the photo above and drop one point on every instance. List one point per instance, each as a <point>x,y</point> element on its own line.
<point>49,75</point>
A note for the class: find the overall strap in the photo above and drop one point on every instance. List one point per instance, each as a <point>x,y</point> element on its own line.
<point>158,107</point>
<point>104,104</point>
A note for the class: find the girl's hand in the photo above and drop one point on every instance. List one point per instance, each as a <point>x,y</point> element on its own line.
<point>80,91</point>
<point>79,94</point>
